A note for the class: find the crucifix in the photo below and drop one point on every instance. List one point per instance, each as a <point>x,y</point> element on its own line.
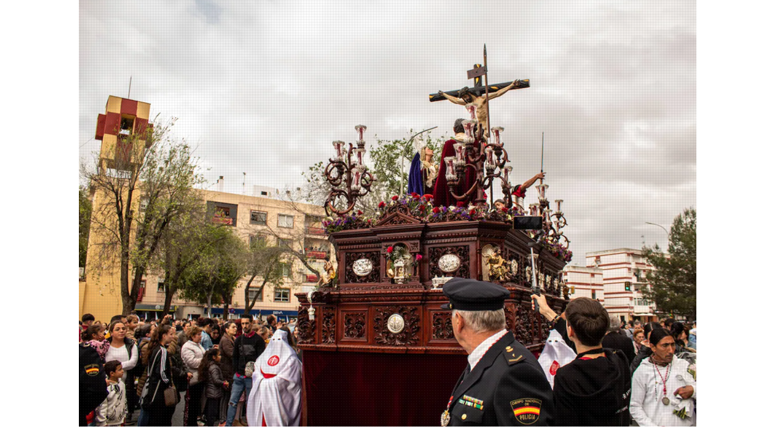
<point>480,94</point>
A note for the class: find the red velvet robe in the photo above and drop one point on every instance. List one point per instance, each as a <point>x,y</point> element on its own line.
<point>441,196</point>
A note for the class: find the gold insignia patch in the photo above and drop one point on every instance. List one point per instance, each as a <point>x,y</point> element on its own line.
<point>519,358</point>
<point>526,410</point>
<point>509,349</point>
<point>92,370</point>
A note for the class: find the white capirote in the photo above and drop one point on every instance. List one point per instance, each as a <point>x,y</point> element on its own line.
<point>276,391</point>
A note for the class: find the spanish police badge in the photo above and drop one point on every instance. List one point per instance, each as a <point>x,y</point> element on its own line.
<point>526,410</point>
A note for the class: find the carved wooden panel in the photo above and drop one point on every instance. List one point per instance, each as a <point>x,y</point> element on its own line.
<point>442,329</point>
<point>306,327</point>
<point>414,246</point>
<point>522,326</point>
<point>510,313</point>
<point>355,325</point>
<point>463,252</point>
<point>373,276</point>
<point>328,325</point>
<point>408,336</point>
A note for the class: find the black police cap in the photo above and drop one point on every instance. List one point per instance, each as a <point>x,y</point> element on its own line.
<point>473,295</point>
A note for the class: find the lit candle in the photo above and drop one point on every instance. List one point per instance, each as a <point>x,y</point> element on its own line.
<point>496,131</point>
<point>358,172</point>
<point>339,150</point>
<point>451,174</point>
<point>360,129</point>
<point>559,205</point>
<point>542,190</point>
<point>489,157</point>
<point>459,151</point>
<point>359,155</point>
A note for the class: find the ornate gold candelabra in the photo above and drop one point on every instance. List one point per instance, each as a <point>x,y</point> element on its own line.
<point>347,175</point>
<point>487,160</point>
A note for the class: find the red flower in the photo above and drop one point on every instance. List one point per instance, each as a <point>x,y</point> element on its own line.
<point>460,204</point>
<point>359,212</point>
<point>381,205</point>
<point>422,208</point>
<point>418,257</point>
<point>428,196</point>
<point>394,198</point>
<point>504,209</point>
<point>472,212</point>
<point>436,209</point>
<point>390,249</point>
<point>415,196</point>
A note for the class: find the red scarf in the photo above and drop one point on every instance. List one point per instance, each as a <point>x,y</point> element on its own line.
<point>253,332</point>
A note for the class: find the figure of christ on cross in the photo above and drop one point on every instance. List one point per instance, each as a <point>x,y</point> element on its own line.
<point>466,96</point>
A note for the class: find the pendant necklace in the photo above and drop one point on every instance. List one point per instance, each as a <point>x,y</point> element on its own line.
<point>665,400</point>
<point>446,416</point>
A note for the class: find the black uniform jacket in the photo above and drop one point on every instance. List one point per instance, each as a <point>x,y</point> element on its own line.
<point>92,381</point>
<point>507,387</point>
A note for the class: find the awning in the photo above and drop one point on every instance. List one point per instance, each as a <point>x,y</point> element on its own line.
<point>156,307</point>
<point>254,312</point>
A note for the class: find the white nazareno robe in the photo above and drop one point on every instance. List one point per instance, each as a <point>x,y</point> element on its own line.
<point>275,398</point>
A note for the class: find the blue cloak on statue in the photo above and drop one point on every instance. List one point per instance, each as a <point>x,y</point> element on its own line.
<point>416,184</point>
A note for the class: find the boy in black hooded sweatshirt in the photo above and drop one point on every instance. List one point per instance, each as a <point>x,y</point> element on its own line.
<point>595,388</point>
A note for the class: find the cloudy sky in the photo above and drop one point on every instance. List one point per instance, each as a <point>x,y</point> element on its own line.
<point>264,87</point>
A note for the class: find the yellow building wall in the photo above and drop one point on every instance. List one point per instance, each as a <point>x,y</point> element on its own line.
<point>100,293</point>
<point>113,105</point>
<point>143,110</point>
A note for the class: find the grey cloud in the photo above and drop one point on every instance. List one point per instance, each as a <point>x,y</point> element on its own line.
<point>264,88</point>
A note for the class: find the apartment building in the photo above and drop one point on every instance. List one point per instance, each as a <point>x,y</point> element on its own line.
<point>624,272</point>
<point>584,282</point>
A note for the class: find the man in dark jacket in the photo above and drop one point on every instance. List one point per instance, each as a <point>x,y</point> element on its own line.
<point>503,383</point>
<point>617,340</point>
<point>248,347</point>
<point>595,388</point>
<point>92,381</point>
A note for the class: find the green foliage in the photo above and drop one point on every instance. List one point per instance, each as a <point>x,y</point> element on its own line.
<point>673,283</point>
<point>217,271</point>
<point>85,212</point>
<point>392,159</point>
<point>389,163</point>
<point>140,195</point>
<point>263,262</point>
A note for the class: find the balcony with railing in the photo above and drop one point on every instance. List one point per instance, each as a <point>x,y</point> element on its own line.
<point>315,230</point>
<point>317,254</point>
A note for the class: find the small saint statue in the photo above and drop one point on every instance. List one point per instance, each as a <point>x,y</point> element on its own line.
<point>497,267</point>
<point>327,278</point>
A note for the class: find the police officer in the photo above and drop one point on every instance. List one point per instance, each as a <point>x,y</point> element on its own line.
<point>503,383</point>
<point>92,381</point>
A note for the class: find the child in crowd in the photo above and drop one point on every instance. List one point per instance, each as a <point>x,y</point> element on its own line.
<point>210,372</point>
<point>264,333</point>
<point>113,410</point>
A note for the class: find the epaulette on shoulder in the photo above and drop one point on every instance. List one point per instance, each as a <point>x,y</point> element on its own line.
<point>513,355</point>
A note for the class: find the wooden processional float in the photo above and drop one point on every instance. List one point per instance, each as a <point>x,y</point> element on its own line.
<point>377,347</point>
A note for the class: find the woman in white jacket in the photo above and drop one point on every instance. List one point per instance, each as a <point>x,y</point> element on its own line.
<point>192,354</point>
<point>664,389</point>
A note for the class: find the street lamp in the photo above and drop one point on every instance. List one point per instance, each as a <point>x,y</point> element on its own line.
<point>658,225</point>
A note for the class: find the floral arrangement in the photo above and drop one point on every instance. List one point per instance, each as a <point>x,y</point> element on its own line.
<point>559,251</point>
<point>351,222</point>
<point>418,206</point>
